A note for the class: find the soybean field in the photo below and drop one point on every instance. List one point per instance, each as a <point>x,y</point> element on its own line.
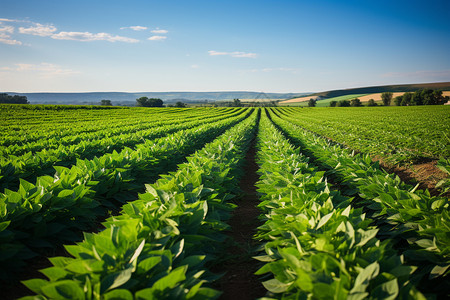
<point>142,203</point>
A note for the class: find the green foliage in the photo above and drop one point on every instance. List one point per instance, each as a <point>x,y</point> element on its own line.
<point>106,102</point>
<point>318,245</point>
<point>333,103</point>
<point>56,208</point>
<point>403,213</point>
<point>180,104</point>
<point>400,135</point>
<point>444,165</point>
<point>149,102</point>
<point>386,97</point>
<point>355,102</point>
<point>157,247</point>
<point>372,102</point>
<point>421,97</point>
<point>312,102</point>
<point>16,99</point>
<point>343,103</point>
<point>29,159</point>
<point>237,103</point>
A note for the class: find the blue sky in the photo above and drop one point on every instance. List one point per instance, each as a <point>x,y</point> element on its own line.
<point>270,46</point>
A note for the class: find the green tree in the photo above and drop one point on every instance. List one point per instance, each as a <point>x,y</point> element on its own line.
<point>237,102</point>
<point>16,99</point>
<point>386,97</point>
<point>343,103</point>
<point>333,103</point>
<point>372,103</point>
<point>180,104</point>
<point>106,102</point>
<point>355,102</point>
<point>312,102</point>
<point>398,100</point>
<point>407,98</point>
<point>149,102</point>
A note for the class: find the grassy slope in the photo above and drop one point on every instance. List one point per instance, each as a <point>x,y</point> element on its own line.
<point>326,102</point>
<point>385,88</point>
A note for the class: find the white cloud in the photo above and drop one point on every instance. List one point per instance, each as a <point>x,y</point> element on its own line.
<point>157,38</point>
<point>5,36</point>
<point>43,69</point>
<point>7,40</point>
<point>11,20</point>
<point>88,37</point>
<point>233,54</point>
<point>159,31</point>
<point>136,28</point>
<point>39,30</point>
<point>7,29</point>
<point>195,66</point>
<point>51,31</point>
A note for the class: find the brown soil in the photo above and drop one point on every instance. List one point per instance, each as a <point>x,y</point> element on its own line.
<point>427,175</point>
<point>239,281</point>
<point>15,289</point>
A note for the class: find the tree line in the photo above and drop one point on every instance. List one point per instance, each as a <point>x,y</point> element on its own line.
<point>422,97</point>
<point>16,99</point>
<point>419,97</point>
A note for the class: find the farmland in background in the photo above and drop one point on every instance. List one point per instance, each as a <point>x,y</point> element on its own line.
<point>142,199</point>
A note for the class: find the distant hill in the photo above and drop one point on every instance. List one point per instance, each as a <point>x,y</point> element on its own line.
<point>119,98</point>
<point>445,86</point>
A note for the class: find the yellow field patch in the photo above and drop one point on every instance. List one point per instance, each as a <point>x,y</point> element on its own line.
<point>300,99</point>
<point>377,96</point>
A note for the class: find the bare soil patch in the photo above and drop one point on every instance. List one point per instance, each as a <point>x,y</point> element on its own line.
<point>239,281</point>
<point>426,174</point>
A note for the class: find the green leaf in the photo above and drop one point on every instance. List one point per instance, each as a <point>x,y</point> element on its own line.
<point>324,219</point>
<point>425,243</point>
<point>119,294</point>
<point>148,263</point>
<point>54,273</point>
<point>193,260</point>
<point>177,249</point>
<point>388,290</point>
<point>172,279</point>
<point>115,280</point>
<point>346,211</point>
<point>65,289</point>
<point>323,291</point>
<point>366,235</point>
<point>304,281</point>
<point>4,225</point>
<point>276,286</point>
<point>438,271</point>
<point>138,251</point>
<point>362,281</point>
<point>206,293</point>
<point>35,284</point>
<point>65,193</point>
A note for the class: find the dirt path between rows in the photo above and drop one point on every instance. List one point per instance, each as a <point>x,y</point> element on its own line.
<point>239,281</point>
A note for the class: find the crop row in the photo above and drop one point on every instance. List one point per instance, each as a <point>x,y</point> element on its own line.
<point>398,134</point>
<point>31,165</point>
<point>55,208</point>
<point>317,244</point>
<point>415,220</point>
<point>157,247</point>
<point>35,139</point>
